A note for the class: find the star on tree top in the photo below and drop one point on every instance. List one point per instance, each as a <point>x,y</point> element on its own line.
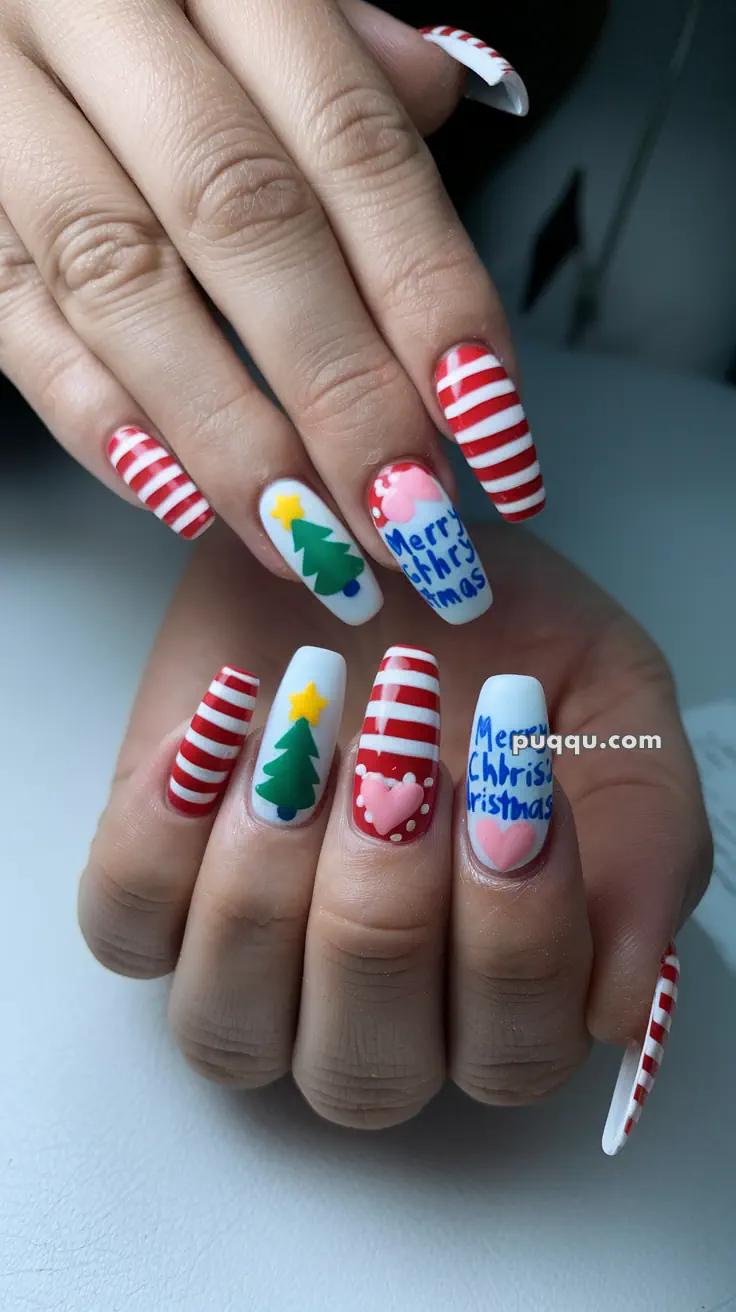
<point>287,509</point>
<point>307,704</point>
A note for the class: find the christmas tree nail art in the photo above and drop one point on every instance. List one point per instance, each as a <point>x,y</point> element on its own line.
<point>299,739</point>
<point>320,550</point>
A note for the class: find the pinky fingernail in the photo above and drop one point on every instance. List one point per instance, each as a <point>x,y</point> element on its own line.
<point>159,482</point>
<point>210,747</point>
<point>641,1062</point>
<point>492,80</point>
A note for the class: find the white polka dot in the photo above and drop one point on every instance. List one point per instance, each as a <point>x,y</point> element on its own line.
<point>360,769</point>
<point>368,818</point>
<point>394,478</point>
<point>424,809</point>
<point>411,824</point>
<point>428,783</point>
<point>376,513</point>
<point>360,800</point>
<point>409,778</point>
<point>396,838</point>
<point>391,783</point>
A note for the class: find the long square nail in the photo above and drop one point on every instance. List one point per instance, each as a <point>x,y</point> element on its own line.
<point>159,482</point>
<point>212,743</point>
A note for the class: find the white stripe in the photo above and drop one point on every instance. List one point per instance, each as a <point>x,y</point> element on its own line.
<point>142,462</point>
<point>413,652</point>
<point>244,678</point>
<point>669,987</point>
<point>513,414</point>
<point>466,370</point>
<point>158,481</point>
<point>190,515</point>
<point>219,718</point>
<point>471,399</point>
<point>457,34</point>
<point>407,679</point>
<point>513,480</point>
<point>635,1111</point>
<point>398,711</point>
<point>225,751</point>
<point>179,494</point>
<point>232,695</point>
<point>514,507</point>
<point>663,1018</point>
<point>199,772</point>
<point>126,444</point>
<point>202,529</point>
<point>501,453</point>
<point>379,742</point>
<point>475,41</point>
<point>646,1080</point>
<point>189,795</point>
<point>653,1049</point>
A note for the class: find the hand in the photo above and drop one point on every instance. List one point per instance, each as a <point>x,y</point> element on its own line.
<point>273,151</point>
<point>540,959</point>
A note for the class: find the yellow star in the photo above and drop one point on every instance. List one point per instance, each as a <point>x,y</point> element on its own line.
<point>286,509</point>
<point>307,704</point>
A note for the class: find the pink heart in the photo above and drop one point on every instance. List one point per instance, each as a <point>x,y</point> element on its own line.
<point>389,807</point>
<point>506,848</point>
<point>412,485</point>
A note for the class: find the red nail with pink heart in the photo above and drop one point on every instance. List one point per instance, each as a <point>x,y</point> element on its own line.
<point>508,792</point>
<point>398,753</point>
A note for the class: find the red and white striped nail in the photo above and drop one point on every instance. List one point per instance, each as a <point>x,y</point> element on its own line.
<point>397,764</point>
<point>211,744</point>
<point>481,406</point>
<point>159,482</point>
<point>641,1062</point>
<point>491,79</point>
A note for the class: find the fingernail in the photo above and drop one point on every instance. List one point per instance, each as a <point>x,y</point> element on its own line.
<point>492,79</point>
<point>320,550</point>
<point>396,768</point>
<point>641,1061</point>
<point>299,739</point>
<point>211,744</point>
<point>481,406</point>
<point>508,796</point>
<point>159,482</point>
<point>422,529</point>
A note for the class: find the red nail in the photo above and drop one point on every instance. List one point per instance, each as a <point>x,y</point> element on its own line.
<point>211,744</point>
<point>480,403</point>
<point>159,482</point>
<point>398,753</point>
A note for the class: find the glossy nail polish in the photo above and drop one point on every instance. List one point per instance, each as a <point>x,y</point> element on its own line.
<point>159,482</point>
<point>211,744</point>
<point>396,769</point>
<point>420,526</point>
<point>491,78</point>
<point>509,785</point>
<point>299,739</point>
<point>641,1061</point>
<point>483,410</point>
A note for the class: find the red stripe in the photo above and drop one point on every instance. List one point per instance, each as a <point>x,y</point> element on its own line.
<point>181,506</point>
<point>213,731</point>
<point>484,410</point>
<point>629,1125</point>
<point>459,356</point>
<point>145,444</point>
<point>418,733</point>
<point>670,972</point>
<point>227,708</point>
<point>650,1065</point>
<point>483,445</point>
<point>197,524</point>
<point>394,766</point>
<point>640,1094</point>
<point>493,374</point>
<point>400,663</point>
<point>518,493</point>
<point>666,1002</point>
<point>190,808</point>
<point>206,760</point>
<point>658,1032</point>
<point>195,785</point>
<point>160,495</point>
<point>401,694</point>
<point>241,680</point>
<point>525,514</point>
<point>514,465</point>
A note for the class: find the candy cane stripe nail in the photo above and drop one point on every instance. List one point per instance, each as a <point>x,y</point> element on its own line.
<point>397,763</point>
<point>492,80</point>
<point>159,482</point>
<point>480,404</point>
<point>641,1062</point>
<point>210,746</point>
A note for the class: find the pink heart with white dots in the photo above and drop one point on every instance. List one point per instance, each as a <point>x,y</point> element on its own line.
<point>408,487</point>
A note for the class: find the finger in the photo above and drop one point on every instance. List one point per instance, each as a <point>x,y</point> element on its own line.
<point>520,940</point>
<point>134,893</point>
<point>370,1043</point>
<point>235,995</point>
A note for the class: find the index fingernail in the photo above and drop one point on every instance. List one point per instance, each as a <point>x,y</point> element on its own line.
<point>492,79</point>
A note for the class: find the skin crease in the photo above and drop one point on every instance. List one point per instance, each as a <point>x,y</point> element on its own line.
<point>643,834</point>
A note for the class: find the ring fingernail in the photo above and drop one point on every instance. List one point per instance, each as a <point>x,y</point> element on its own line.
<point>211,744</point>
<point>481,406</point>
<point>320,550</point>
<point>641,1061</point>
<point>421,528</point>
<point>492,79</point>
<point>299,739</point>
<point>397,763</point>
<point>509,780</point>
<point>159,482</point>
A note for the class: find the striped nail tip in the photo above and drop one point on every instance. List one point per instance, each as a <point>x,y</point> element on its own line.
<point>159,482</point>
<point>299,739</point>
<point>320,550</point>
<point>492,79</point>
<point>508,794</point>
<point>483,410</point>
<point>416,520</point>
<point>207,753</point>
<point>397,763</point>
<point>641,1061</point>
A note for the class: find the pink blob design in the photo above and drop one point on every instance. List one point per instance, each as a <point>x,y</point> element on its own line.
<point>389,807</point>
<point>412,485</point>
<point>506,848</point>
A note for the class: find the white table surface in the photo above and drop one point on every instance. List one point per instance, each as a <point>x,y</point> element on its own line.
<point>127,1184</point>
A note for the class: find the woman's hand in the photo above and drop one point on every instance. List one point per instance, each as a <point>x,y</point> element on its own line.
<point>564,947</point>
<point>273,150</point>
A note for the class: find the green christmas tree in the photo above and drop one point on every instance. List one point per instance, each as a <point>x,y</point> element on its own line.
<point>336,569</point>
<point>293,777</point>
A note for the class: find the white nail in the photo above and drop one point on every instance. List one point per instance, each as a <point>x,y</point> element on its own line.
<point>421,528</point>
<point>508,797</point>
<point>299,739</point>
<point>492,79</point>
<point>320,550</point>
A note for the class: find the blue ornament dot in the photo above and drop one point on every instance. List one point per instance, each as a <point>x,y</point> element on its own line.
<point>351,588</point>
<point>285,812</point>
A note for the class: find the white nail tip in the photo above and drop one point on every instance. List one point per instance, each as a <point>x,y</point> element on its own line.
<point>320,550</point>
<point>299,739</point>
<point>508,797</point>
<point>492,79</point>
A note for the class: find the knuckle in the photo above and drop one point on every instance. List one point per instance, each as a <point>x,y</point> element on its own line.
<point>226,1052</point>
<point>236,197</point>
<point>517,1078</point>
<point>351,390</point>
<point>361,130</point>
<point>131,920</point>
<point>376,964</point>
<point>17,269</point>
<point>363,1097</point>
<point>425,285</point>
<point>254,916</point>
<point>92,262</point>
